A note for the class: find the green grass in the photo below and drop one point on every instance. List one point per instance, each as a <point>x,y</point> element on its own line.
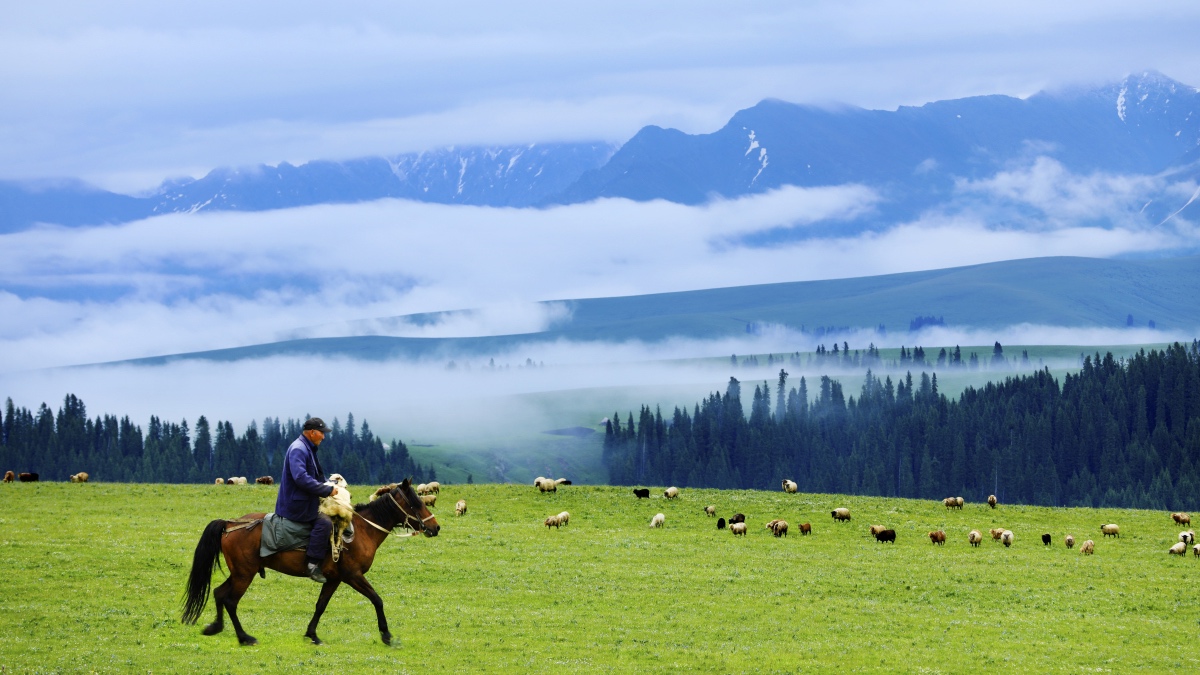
<point>93,581</point>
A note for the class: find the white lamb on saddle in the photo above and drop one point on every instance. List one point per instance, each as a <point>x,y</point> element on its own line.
<point>339,509</point>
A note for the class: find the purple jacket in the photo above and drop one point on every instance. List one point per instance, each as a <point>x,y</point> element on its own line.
<point>303,483</point>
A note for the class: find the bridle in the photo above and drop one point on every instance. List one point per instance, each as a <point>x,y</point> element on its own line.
<point>408,518</point>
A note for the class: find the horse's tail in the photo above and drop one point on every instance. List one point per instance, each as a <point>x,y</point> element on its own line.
<point>204,562</point>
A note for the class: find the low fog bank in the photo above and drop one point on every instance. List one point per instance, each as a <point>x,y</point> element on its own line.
<point>530,389</point>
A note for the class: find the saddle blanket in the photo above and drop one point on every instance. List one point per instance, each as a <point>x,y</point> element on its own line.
<point>281,534</point>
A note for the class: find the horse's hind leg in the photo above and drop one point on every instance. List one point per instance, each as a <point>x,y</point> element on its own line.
<point>363,586</point>
<point>219,624</point>
<point>237,586</point>
<point>326,593</point>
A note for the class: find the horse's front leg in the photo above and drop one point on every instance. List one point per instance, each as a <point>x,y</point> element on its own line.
<point>360,584</point>
<point>323,601</point>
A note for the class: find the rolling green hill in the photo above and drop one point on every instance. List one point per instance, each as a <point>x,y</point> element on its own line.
<point>1071,292</point>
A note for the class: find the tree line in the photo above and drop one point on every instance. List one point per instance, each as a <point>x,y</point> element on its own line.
<point>1121,433</point>
<point>58,444</point>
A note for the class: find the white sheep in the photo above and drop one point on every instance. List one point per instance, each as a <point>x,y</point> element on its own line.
<point>219,481</point>
<point>738,528</point>
<point>790,486</point>
<point>658,520</point>
<point>1087,547</point>
<point>1111,530</point>
<point>710,510</point>
<point>460,507</point>
<point>429,500</point>
<point>1196,550</point>
<point>1007,538</point>
<point>974,537</point>
<point>1178,549</point>
<point>671,492</point>
<point>339,509</point>
<point>1188,536</point>
<point>564,518</point>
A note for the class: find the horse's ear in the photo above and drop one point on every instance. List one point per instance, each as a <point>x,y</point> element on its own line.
<point>407,482</point>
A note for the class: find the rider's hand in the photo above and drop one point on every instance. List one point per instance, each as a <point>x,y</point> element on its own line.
<point>334,493</point>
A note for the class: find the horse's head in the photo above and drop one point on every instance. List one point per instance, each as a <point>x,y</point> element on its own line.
<point>417,515</point>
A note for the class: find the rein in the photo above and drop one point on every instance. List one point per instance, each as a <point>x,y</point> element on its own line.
<point>408,516</point>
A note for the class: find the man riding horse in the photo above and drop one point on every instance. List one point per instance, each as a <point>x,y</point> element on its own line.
<point>301,490</point>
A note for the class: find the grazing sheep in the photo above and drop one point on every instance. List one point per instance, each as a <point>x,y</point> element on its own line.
<point>265,480</point>
<point>1181,518</point>
<point>737,518</point>
<point>937,537</point>
<point>9,476</point>
<point>886,535</point>
<point>720,523</point>
<point>460,507</point>
<point>1187,537</point>
<point>805,529</point>
<point>81,477</point>
<point>738,528</point>
<point>1087,548</point>
<point>671,492</point>
<point>1046,538</point>
<point>1179,549</point>
<point>641,493</point>
<point>778,527</point>
<point>219,481</point>
<point>433,487</point>
<point>536,482</point>
<point>27,477</point>
<point>996,533</point>
<point>429,500</point>
<point>876,529</point>
<point>710,511</point>
<point>547,486</point>
<point>1070,541</point>
<point>564,518</point>
<point>840,515</point>
<point>1007,538</point>
<point>552,520</point>
<point>950,502</point>
<point>790,486</point>
<point>241,480</point>
<point>959,501</point>
<point>992,501</point>
<point>1196,550</point>
<point>382,491</point>
<point>658,520</point>
<point>974,537</point>
<point>1111,530</point>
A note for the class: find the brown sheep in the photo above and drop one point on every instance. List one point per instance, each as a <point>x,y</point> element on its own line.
<point>886,536</point>
<point>552,521</point>
<point>671,492</point>
<point>1070,541</point>
<point>81,477</point>
<point>738,528</point>
<point>1181,518</point>
<point>383,490</point>
<point>1111,530</point>
<point>778,527</point>
<point>996,532</point>
<point>950,502</point>
<point>27,477</point>
<point>805,529</point>
<point>790,486</point>
<point>460,507</point>
<point>1087,547</point>
<point>265,480</point>
<point>9,476</point>
<point>974,537</point>
<point>710,511</point>
<point>937,537</point>
<point>992,501</point>
<point>840,515</point>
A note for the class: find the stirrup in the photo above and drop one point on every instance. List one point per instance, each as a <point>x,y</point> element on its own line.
<point>348,534</point>
<point>314,573</point>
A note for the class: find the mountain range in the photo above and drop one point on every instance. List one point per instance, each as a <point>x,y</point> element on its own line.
<point>914,157</point>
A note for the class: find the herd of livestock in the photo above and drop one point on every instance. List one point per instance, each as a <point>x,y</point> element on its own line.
<point>737,523</point>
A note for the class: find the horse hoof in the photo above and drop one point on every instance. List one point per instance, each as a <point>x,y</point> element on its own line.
<point>213,629</point>
<point>248,641</point>
<point>387,638</point>
<point>315,640</point>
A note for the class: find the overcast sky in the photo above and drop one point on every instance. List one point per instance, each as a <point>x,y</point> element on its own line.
<point>125,93</point>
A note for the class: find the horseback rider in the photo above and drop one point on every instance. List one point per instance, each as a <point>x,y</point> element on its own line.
<point>301,489</point>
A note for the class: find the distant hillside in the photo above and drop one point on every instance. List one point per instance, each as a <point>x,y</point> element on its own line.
<point>1075,292</point>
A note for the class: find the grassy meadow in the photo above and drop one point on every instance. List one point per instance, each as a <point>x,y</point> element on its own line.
<point>94,573</point>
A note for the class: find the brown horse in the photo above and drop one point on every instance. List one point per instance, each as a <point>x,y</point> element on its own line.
<point>400,507</point>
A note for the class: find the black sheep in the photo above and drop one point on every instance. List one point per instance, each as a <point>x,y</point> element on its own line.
<point>720,523</point>
<point>642,493</point>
